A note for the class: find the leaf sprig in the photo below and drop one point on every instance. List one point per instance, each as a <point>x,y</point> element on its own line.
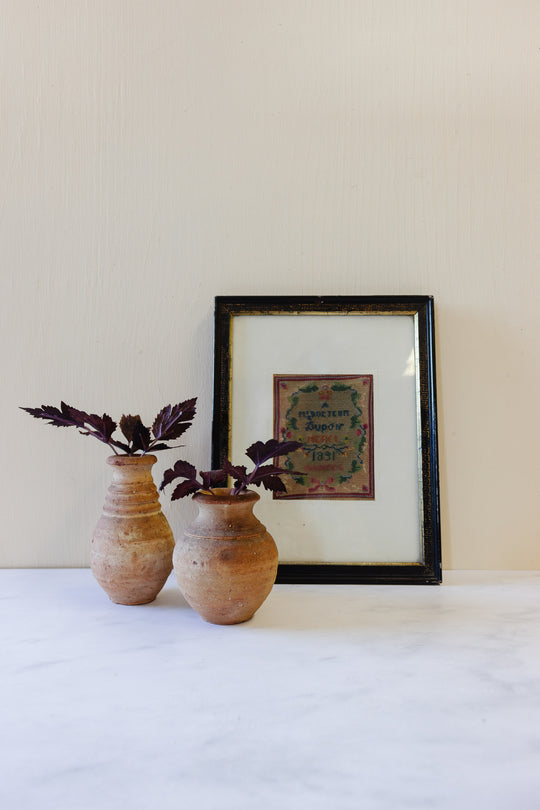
<point>266,474</point>
<point>170,423</point>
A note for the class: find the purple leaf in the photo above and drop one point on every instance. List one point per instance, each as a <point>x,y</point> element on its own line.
<point>262,472</point>
<point>212,478</point>
<point>174,420</point>
<point>185,488</point>
<point>56,417</point>
<point>127,424</point>
<point>240,472</point>
<point>89,424</point>
<point>182,469</point>
<point>263,451</point>
<point>122,446</point>
<point>78,417</point>
<point>160,446</point>
<point>274,484</point>
<point>141,437</point>
<point>102,427</point>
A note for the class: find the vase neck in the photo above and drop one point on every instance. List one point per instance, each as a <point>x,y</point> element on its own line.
<point>132,492</point>
<point>226,515</point>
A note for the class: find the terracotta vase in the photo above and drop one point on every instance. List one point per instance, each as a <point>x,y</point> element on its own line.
<point>226,563</point>
<point>132,547</point>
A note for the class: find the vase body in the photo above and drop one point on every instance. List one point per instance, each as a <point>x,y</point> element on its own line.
<point>132,546</point>
<point>226,563</point>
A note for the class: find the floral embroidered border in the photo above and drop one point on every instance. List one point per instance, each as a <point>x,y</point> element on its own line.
<point>332,415</point>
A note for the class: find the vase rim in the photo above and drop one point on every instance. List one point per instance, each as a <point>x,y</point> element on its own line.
<point>124,461</point>
<point>222,495</point>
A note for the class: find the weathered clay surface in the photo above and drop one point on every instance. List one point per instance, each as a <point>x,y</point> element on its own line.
<point>226,563</point>
<point>131,555</point>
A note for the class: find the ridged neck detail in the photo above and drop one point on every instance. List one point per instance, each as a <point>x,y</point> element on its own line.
<point>132,492</point>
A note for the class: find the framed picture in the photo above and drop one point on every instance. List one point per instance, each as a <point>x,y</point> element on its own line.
<point>353,379</point>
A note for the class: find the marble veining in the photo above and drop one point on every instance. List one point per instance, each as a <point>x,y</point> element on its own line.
<point>383,697</point>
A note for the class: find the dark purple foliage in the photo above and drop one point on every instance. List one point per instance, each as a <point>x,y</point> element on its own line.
<point>212,478</point>
<point>182,469</point>
<point>168,425</point>
<point>268,475</point>
<point>172,421</point>
<point>259,452</point>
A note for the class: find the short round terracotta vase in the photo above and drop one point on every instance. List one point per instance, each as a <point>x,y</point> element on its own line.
<point>132,546</point>
<point>226,562</point>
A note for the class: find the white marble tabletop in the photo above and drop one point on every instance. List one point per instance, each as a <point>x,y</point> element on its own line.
<point>332,697</point>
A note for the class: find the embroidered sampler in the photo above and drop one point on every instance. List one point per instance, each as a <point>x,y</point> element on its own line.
<point>332,415</point>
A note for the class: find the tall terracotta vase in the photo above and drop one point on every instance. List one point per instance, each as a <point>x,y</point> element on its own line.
<point>226,563</point>
<point>131,555</point>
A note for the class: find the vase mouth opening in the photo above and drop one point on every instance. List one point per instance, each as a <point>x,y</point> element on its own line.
<point>126,461</point>
<point>223,495</point>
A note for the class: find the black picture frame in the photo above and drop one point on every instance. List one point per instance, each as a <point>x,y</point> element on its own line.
<point>419,309</point>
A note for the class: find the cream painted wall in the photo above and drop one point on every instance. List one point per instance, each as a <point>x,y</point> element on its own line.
<point>155,154</point>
